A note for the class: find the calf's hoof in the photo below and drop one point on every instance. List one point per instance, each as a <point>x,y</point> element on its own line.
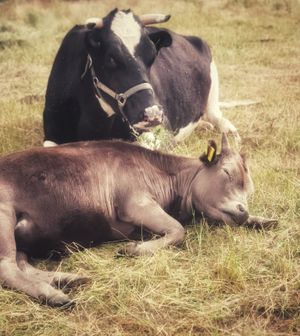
<point>134,249</point>
<point>70,281</point>
<point>129,250</point>
<point>261,223</point>
<point>58,300</point>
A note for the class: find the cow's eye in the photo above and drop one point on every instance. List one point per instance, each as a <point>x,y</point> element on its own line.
<point>228,174</point>
<point>150,58</point>
<point>112,62</point>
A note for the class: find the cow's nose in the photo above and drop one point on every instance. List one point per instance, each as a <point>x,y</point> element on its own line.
<point>154,114</point>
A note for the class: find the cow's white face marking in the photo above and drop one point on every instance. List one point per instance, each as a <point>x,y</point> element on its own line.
<point>127,29</point>
<point>49,143</point>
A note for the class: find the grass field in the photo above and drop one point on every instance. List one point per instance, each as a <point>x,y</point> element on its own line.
<point>223,281</point>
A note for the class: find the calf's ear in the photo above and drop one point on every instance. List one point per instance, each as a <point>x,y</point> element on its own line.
<point>225,145</point>
<point>161,39</point>
<point>93,39</point>
<point>210,157</point>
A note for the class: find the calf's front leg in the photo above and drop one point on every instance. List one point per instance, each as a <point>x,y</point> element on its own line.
<point>57,279</point>
<point>148,214</point>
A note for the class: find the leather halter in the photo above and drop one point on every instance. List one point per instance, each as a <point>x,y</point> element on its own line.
<point>121,98</point>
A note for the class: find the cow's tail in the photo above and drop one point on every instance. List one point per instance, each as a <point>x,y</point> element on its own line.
<point>236,103</point>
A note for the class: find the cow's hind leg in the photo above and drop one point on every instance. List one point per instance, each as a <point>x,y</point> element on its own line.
<point>153,218</point>
<point>58,279</point>
<point>12,276</point>
<point>213,113</point>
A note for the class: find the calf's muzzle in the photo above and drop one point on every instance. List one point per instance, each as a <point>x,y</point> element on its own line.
<point>239,215</point>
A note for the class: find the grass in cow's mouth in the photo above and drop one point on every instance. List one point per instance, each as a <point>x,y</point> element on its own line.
<point>222,281</point>
<point>157,138</point>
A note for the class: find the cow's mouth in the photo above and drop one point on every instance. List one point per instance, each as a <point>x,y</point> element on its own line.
<point>153,116</point>
<point>145,125</point>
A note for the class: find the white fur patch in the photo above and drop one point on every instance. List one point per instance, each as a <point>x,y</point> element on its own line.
<point>213,111</point>
<point>49,143</point>
<point>127,29</point>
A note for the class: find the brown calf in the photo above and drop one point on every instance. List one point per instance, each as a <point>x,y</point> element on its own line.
<point>92,192</point>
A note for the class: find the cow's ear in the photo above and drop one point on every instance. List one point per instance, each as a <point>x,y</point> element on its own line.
<point>93,38</point>
<point>210,157</point>
<point>161,39</point>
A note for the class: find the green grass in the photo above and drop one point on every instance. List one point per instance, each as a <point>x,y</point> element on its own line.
<point>223,281</point>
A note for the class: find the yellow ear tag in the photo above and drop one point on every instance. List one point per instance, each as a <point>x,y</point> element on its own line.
<point>210,153</point>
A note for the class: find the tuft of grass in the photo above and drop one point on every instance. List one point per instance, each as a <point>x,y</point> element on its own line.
<point>222,281</point>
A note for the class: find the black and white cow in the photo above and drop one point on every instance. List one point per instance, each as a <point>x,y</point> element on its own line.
<point>116,76</point>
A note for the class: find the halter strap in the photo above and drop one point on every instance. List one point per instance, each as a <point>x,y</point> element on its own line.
<point>121,98</point>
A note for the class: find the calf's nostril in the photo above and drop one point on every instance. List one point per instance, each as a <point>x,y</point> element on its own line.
<point>241,208</point>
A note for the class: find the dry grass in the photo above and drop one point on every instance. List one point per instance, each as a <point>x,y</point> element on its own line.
<point>223,281</point>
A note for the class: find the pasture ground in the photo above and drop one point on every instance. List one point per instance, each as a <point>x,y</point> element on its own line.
<point>223,281</point>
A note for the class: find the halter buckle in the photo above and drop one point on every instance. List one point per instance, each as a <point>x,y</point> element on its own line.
<point>121,99</point>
